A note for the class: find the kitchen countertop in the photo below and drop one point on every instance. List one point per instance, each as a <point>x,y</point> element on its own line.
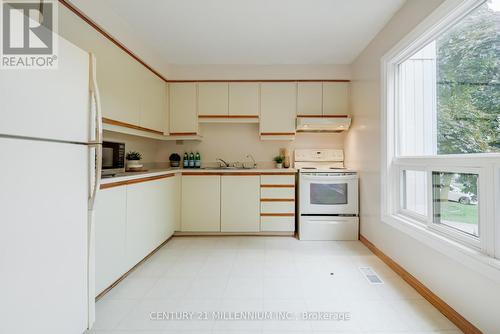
<point>157,171</point>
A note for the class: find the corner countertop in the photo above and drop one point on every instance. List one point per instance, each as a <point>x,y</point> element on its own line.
<point>156,170</point>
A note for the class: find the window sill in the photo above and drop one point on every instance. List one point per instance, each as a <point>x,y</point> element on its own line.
<point>475,260</point>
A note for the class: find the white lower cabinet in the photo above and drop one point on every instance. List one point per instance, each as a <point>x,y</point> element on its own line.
<point>173,204</point>
<point>240,211</point>
<point>131,221</point>
<point>277,205</point>
<point>146,218</point>
<point>200,203</point>
<point>110,236</point>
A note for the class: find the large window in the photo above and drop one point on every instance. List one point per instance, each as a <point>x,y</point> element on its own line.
<point>442,133</point>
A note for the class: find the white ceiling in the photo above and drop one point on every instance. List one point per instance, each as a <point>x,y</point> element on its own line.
<point>256,31</point>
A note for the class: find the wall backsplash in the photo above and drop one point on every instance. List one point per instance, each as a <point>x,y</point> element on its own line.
<point>227,141</point>
<point>234,141</point>
<point>147,147</point>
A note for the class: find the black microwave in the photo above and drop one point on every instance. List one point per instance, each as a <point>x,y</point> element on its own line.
<point>113,158</point>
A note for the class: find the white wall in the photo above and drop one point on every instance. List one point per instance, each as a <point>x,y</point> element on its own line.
<point>473,295</point>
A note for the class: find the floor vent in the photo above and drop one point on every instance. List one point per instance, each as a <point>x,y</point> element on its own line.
<point>370,275</point>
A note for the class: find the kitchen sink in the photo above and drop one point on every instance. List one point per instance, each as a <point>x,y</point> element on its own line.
<point>218,168</point>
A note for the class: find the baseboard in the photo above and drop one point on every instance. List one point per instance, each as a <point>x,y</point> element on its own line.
<point>430,296</point>
<point>234,234</point>
<point>122,277</point>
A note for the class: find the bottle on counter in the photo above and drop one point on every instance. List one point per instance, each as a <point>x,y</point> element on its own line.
<point>191,160</point>
<point>197,160</point>
<point>185,162</point>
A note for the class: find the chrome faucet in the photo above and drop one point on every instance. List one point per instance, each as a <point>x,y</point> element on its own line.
<point>249,156</point>
<point>226,164</point>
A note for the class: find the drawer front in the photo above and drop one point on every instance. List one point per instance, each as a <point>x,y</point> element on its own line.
<point>277,192</point>
<point>277,179</point>
<point>329,228</point>
<point>277,224</point>
<point>277,207</point>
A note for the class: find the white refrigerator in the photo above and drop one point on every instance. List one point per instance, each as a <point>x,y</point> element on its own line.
<point>50,148</point>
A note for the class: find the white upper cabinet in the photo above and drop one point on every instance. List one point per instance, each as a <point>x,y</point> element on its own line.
<point>336,98</point>
<point>278,109</point>
<point>183,108</point>
<point>153,102</point>
<point>310,99</point>
<point>166,124</point>
<point>213,99</point>
<point>130,93</point>
<point>240,203</point>
<point>244,99</point>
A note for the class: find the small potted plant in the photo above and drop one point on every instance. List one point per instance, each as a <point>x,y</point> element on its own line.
<point>174,160</point>
<point>133,159</point>
<point>279,161</point>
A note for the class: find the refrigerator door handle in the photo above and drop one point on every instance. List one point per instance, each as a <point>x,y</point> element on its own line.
<point>94,89</point>
<point>98,130</point>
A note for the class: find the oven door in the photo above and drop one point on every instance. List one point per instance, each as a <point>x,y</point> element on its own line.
<point>328,194</point>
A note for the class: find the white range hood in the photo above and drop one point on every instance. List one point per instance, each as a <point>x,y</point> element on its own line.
<point>323,124</point>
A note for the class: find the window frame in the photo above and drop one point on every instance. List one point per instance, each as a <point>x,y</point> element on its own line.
<point>482,250</point>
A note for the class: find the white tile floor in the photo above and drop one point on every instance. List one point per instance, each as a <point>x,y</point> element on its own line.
<point>276,274</point>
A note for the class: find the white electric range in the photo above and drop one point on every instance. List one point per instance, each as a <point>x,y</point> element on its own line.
<point>328,196</point>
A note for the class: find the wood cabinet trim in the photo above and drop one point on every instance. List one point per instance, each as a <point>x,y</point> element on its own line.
<point>228,116</point>
<point>277,199</point>
<point>113,40</point>
<point>263,80</point>
<point>223,173</point>
<point>133,181</point>
<point>201,173</point>
<point>277,185</point>
<point>323,116</point>
<point>130,126</point>
<point>277,133</point>
<point>277,214</point>
<point>278,173</point>
<point>424,291</point>
<point>183,134</point>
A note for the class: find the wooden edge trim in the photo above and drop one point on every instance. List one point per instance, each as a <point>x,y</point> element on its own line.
<point>94,25</point>
<point>278,173</point>
<point>323,116</point>
<point>202,173</point>
<point>277,185</point>
<point>220,173</point>
<point>228,116</point>
<point>277,214</point>
<point>133,181</point>
<point>425,292</point>
<point>130,126</point>
<point>277,133</point>
<point>263,80</point>
<point>183,134</point>
<point>122,277</point>
<point>277,199</point>
<point>320,131</point>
